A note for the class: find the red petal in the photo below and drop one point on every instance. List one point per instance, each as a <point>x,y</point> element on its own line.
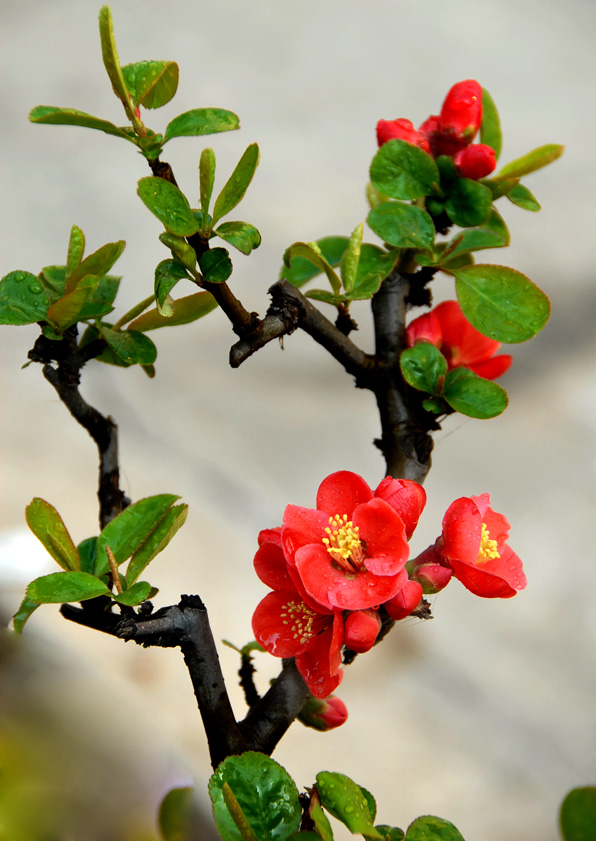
<point>341,492</point>
<point>425,328</point>
<point>271,567</point>
<point>462,530</point>
<point>490,369</point>
<point>276,629</point>
<point>314,665</point>
<point>463,345</point>
<point>383,532</point>
<point>407,498</point>
<point>302,526</point>
<point>405,601</point>
<point>498,578</point>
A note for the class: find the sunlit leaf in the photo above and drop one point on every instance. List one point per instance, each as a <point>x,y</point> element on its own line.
<point>170,206</point>
<point>59,587</point>
<point>151,83</point>
<point>48,526</point>
<point>186,310</point>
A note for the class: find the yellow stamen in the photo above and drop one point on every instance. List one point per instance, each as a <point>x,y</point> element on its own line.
<point>488,547</point>
<point>344,544</point>
<point>300,617</point>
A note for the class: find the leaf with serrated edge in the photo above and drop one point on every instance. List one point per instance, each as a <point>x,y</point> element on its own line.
<point>48,527</point>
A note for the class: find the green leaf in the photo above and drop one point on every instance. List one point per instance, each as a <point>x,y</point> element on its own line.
<point>177,815</point>
<point>422,366</point>
<point>468,202</point>
<point>365,288</point>
<point>492,235</point>
<point>501,302</point>
<point>156,542</point>
<point>319,818</point>
<point>150,144</point>
<point>22,299</point>
<point>402,225</point>
<point>578,814</point>
<point>302,269</point>
<point>390,833</point>
<point>151,83</point>
<point>127,532</point>
<point>186,310</point>
<point>206,179</point>
<point>26,608</point>
<point>68,310</point>
<point>429,828</point>
<point>345,801</point>
<point>325,296</point>
<point>474,396</point>
<point>351,258</point>
<point>130,345</point>
<point>240,235</point>
<point>215,265</point>
<point>87,550</point>
<point>137,594</point>
<point>500,186</point>
<point>201,121</point>
<point>237,184</point>
<point>76,249</point>
<point>167,275</point>
<point>181,250</point>
<point>312,252</point>
<point>490,128</point>
<point>536,159</point>
<point>170,206</point>
<point>54,281</point>
<point>48,527</point>
<point>97,264</point>
<point>50,115</point>
<point>401,170</point>
<point>523,198</point>
<point>265,792</point>
<point>237,814</point>
<point>60,587</point>
<point>110,57</point>
<point>375,261</point>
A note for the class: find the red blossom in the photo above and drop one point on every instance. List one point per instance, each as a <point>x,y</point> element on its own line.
<point>401,129</point>
<point>405,601</point>
<point>460,117</point>
<point>474,545</point>
<point>476,161</point>
<point>462,345</point>
<point>361,630</point>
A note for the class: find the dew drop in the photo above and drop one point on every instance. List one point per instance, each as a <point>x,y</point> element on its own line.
<point>18,276</point>
<point>35,287</point>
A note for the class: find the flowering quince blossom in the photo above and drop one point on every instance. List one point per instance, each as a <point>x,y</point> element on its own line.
<point>475,161</point>
<point>401,129</point>
<point>462,345</point>
<point>324,713</point>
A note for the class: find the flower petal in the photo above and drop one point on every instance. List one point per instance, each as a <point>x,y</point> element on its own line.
<point>341,492</point>
<point>314,664</point>
<point>302,526</point>
<point>407,498</point>
<point>498,578</point>
<point>462,529</point>
<point>490,369</point>
<point>383,532</point>
<point>285,626</point>
<point>270,563</point>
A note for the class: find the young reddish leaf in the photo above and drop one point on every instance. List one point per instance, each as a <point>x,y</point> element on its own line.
<point>48,527</point>
<point>186,310</point>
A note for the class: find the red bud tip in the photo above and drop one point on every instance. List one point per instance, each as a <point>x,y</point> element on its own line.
<point>324,713</point>
<point>401,130</point>
<point>361,630</point>
<point>475,161</point>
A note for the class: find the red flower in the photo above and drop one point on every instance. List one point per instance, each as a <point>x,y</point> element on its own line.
<point>462,345</point>
<point>401,130</point>
<point>475,161</point>
<point>473,544</point>
<point>350,552</point>
<point>460,117</point>
<point>324,713</point>
<point>361,630</point>
<point>405,601</point>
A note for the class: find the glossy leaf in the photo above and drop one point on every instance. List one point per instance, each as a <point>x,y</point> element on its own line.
<point>403,171</point>
<point>53,279</point>
<point>390,833</point>
<point>26,608</point>
<point>136,594</point>
<point>240,235</point>
<point>170,206</point>
<point>215,265</point>
<point>177,815</point>
<point>22,299</point>
<point>375,261</point>
<point>68,309</point>
<point>151,83</point>
<point>429,828</point>
<point>312,252</point>
<point>110,56</point>
<point>500,302</point>
<point>127,532</point>
<point>167,275</point>
<point>265,792</point>
<point>130,345</point>
<point>156,542</point>
<point>48,527</point>
<point>536,159</point>
<point>351,258</point>
<point>181,250</point>
<point>50,115</point>
<point>237,184</point>
<point>577,818</point>
<point>422,366</point>
<point>365,288</point>
<point>60,587</point>
<point>302,269</point>
<point>474,396</point>
<point>186,310</point>
<point>490,128</point>
<point>319,818</point>
<point>523,198</point>
<point>97,264</point>
<point>201,121</point>
<point>475,239</point>
<point>87,550</point>
<point>206,178</point>
<point>76,249</point>
<point>402,225</point>
<point>468,202</point>
<point>342,798</point>
<point>237,814</point>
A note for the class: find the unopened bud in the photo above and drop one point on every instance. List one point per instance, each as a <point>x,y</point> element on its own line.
<point>475,161</point>
<point>361,630</point>
<point>406,600</point>
<point>401,130</point>
<point>324,713</point>
<point>461,116</point>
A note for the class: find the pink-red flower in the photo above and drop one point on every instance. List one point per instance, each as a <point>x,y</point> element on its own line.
<point>401,129</point>
<point>460,118</point>
<point>476,161</point>
<point>462,345</point>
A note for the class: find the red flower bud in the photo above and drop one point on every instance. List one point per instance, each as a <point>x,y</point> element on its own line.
<point>361,630</point>
<point>430,129</point>
<point>475,161</point>
<point>406,600</point>
<point>324,713</point>
<point>401,130</point>
<point>460,118</point>
<point>430,571</point>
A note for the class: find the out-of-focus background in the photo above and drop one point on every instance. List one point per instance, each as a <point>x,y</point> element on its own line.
<point>485,715</point>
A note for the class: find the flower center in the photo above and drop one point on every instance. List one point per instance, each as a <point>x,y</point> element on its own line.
<point>344,544</point>
<point>488,548</point>
<point>300,617</point>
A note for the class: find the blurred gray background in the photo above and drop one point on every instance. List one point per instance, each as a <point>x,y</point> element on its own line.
<point>485,715</point>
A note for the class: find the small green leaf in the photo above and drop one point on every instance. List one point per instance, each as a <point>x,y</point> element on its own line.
<point>215,265</point>
<point>390,833</point>
<point>500,186</point>
<point>151,83</point>
<point>181,250</point>
<point>237,184</point>
<point>156,541</point>
<point>97,264</point>
<point>474,396</point>
<point>475,239</point>
<point>76,249</point>
<point>167,275</point>
<point>26,608</point>
<point>351,258</point>
<point>240,235</point>
<point>422,366</point>
<point>401,170</point>
<point>365,288</point>
<point>170,206</point>
<point>436,406</point>
<point>59,587</point>
<point>468,202</point>
<point>302,269</point>
<point>206,179</point>
<point>523,198</point>
<point>136,594</point>
<point>326,296</point>
<point>536,159</point>
<point>375,261</point>
<point>130,345</point>
<point>312,252</point>
<point>501,302</point>
<point>201,121</point>
<point>429,828</point>
<point>490,128</point>
<point>402,225</point>
<point>50,115</point>
<point>87,550</point>
<point>177,815</point>
<point>578,814</point>
<point>68,310</point>
<point>22,299</point>
<point>110,57</point>
<point>48,527</point>
<point>343,798</point>
<point>186,310</point>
